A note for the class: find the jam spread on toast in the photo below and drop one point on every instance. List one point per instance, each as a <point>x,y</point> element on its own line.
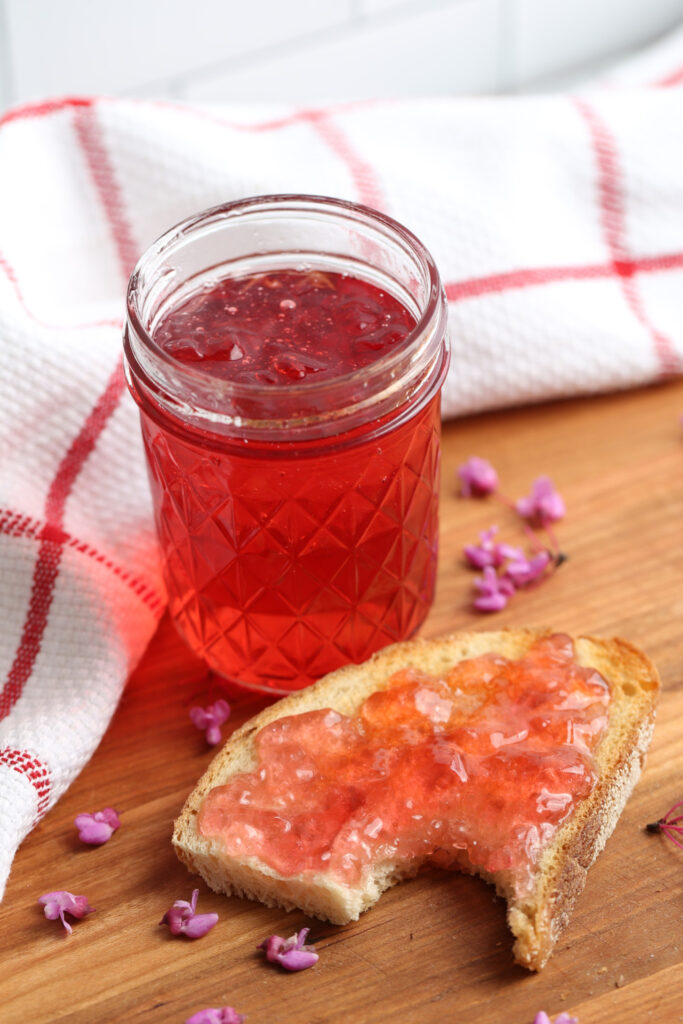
<point>474,769</point>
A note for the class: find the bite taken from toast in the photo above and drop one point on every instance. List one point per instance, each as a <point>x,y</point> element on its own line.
<point>508,754</point>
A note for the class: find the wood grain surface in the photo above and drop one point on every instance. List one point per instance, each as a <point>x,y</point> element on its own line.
<point>435,948</point>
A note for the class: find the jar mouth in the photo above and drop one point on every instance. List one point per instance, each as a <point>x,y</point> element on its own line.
<point>415,367</point>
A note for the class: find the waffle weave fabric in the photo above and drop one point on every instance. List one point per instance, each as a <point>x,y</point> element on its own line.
<point>556,222</point>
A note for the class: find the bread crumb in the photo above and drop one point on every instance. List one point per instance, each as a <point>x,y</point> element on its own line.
<point>602,970</point>
<point>620,982</point>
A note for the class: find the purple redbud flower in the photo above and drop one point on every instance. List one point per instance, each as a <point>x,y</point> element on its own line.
<point>291,953</point>
<point>221,1015</point>
<point>60,902</point>
<point>494,591</point>
<point>562,1018</point>
<point>97,828</point>
<point>182,919</point>
<point>671,825</point>
<point>523,570</point>
<point>544,505</point>
<point>477,478</point>
<point>211,719</point>
<point>488,553</point>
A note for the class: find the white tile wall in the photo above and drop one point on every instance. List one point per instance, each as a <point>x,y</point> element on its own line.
<point>448,49</point>
<point>62,46</point>
<point>310,50</point>
<point>552,37</point>
<point>6,85</point>
<point>371,7</point>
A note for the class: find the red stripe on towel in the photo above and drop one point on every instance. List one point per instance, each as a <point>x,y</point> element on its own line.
<point>91,139</point>
<point>611,199</point>
<point>45,107</point>
<point>672,79</point>
<point>27,111</point>
<point>362,172</point>
<point>46,568</point>
<point>531,277</point>
<point>35,770</point>
<point>15,524</point>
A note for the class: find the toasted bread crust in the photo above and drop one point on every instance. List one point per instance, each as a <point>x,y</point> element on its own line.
<point>538,919</point>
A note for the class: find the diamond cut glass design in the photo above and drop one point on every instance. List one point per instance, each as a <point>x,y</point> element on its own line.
<point>277,577</point>
<point>292,443</point>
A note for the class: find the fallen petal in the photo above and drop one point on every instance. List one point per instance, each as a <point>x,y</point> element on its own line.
<point>490,602</point>
<point>78,906</point>
<point>527,570</point>
<point>199,717</point>
<point>562,1018</point>
<point>95,833</point>
<point>291,953</point>
<point>221,711</point>
<point>97,828</point>
<point>298,959</point>
<point>213,735</point>
<point>211,719</point>
<point>494,590</point>
<point>544,505</point>
<point>272,946</point>
<point>174,918</point>
<point>52,910</point>
<point>211,1015</point>
<point>477,478</point>
<point>56,904</point>
<point>181,918</point>
<point>478,556</point>
<point>199,925</point>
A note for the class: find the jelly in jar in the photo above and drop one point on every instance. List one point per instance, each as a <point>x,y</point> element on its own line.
<point>287,355</point>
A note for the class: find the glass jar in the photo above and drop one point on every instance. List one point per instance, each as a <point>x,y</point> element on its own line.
<point>298,524</point>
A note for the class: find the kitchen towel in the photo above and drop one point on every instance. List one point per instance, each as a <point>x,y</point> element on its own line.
<point>556,222</point>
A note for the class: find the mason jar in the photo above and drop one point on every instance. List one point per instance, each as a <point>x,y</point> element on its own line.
<point>294,469</point>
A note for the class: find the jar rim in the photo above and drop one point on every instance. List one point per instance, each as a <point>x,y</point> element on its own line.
<point>149,372</point>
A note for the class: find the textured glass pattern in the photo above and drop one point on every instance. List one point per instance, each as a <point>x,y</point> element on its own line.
<point>281,566</point>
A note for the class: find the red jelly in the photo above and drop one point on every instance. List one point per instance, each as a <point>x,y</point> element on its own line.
<point>476,769</point>
<point>284,326</point>
<point>290,414</point>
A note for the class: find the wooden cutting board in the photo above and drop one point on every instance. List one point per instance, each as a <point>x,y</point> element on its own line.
<point>435,948</point>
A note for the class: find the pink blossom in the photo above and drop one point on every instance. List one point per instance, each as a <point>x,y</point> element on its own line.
<point>222,1015</point>
<point>60,902</point>
<point>477,478</point>
<point>671,825</point>
<point>211,719</point>
<point>562,1018</point>
<point>97,828</point>
<point>489,553</point>
<point>523,571</point>
<point>544,505</point>
<point>291,953</point>
<point>182,919</point>
<point>494,591</point>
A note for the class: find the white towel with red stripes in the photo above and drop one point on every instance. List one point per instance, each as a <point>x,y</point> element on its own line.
<point>557,224</point>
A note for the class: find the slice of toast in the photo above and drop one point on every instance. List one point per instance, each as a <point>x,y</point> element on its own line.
<point>538,910</point>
